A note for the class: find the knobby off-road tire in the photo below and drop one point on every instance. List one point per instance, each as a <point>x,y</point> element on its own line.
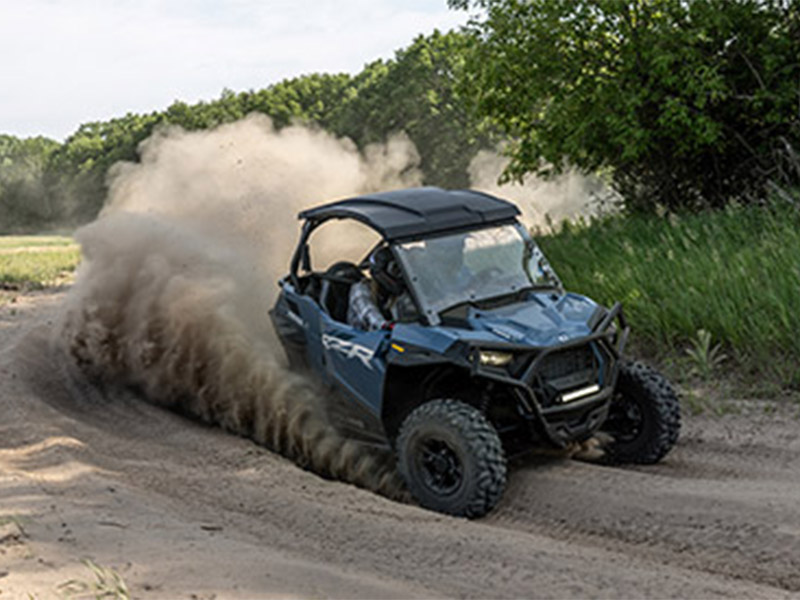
<point>451,458</point>
<point>644,417</point>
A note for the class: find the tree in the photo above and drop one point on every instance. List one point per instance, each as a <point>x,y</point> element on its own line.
<point>75,176</point>
<point>23,201</point>
<point>687,103</point>
<point>417,93</point>
<point>310,98</point>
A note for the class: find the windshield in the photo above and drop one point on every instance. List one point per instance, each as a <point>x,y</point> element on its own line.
<point>473,266</point>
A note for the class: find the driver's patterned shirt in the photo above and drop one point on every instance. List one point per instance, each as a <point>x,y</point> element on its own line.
<point>362,311</point>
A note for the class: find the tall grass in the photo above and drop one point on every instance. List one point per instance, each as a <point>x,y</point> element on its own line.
<point>734,273</point>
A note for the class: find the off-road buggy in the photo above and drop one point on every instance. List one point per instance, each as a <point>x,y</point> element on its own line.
<point>494,359</point>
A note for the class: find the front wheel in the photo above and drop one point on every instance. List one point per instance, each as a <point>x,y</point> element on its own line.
<point>644,417</point>
<point>451,458</point>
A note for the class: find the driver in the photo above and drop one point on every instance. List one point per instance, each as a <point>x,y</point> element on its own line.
<point>370,302</point>
<point>362,310</point>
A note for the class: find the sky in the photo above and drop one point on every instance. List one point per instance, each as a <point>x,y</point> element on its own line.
<point>67,62</point>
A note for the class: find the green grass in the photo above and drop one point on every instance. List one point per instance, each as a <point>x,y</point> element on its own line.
<point>34,241</point>
<point>35,262</point>
<point>734,274</point>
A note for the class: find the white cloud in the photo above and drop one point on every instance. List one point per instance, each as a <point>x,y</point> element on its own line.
<point>64,62</point>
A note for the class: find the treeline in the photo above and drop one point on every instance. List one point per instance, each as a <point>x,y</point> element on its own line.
<point>44,184</point>
<point>681,104</point>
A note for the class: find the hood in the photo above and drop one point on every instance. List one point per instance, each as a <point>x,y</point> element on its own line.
<point>544,319</point>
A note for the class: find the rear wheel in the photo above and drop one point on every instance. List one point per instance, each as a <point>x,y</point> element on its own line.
<point>644,417</point>
<point>452,459</point>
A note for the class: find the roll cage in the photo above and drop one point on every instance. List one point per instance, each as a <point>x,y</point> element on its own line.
<point>405,215</point>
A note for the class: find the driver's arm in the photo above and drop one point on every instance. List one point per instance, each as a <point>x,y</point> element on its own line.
<point>362,312</point>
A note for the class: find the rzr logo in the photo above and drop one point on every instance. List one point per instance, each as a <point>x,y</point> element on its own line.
<point>348,349</point>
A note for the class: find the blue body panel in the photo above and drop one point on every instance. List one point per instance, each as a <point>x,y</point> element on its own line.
<point>355,361</point>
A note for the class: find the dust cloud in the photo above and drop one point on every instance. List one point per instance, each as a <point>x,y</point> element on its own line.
<point>544,203</point>
<point>181,267</point>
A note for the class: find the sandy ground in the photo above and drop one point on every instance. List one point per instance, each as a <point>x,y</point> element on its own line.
<point>182,510</point>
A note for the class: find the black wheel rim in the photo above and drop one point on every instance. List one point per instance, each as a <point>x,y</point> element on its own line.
<point>625,419</point>
<point>439,466</point>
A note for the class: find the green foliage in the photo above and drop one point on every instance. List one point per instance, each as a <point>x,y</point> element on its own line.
<point>308,99</point>
<point>689,104</point>
<point>417,93</point>
<point>733,273</point>
<point>76,172</point>
<point>23,163</point>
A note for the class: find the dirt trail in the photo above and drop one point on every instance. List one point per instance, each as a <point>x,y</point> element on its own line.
<point>181,509</point>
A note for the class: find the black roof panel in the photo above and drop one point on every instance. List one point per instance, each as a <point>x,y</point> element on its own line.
<point>417,211</point>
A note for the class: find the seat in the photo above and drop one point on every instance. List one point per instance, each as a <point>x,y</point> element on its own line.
<point>335,293</point>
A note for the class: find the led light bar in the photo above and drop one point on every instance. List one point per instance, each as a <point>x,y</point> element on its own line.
<point>591,389</point>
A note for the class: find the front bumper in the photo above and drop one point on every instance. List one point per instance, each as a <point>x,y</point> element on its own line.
<point>558,405</point>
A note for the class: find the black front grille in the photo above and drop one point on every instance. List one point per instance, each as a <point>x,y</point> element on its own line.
<point>566,362</point>
<point>562,371</point>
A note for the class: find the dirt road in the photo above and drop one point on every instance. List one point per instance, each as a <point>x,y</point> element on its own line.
<point>180,509</point>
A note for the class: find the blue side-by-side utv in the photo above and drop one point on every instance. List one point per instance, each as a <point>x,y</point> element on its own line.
<point>488,358</point>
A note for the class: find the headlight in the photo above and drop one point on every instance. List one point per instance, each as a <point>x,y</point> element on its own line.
<point>492,358</point>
